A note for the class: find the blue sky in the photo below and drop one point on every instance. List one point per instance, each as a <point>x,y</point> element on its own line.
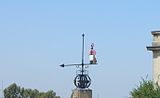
<point>36,36</point>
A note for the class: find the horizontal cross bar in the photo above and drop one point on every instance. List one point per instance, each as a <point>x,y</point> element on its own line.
<point>62,65</point>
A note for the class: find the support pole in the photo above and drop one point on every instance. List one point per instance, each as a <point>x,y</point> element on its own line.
<point>82,54</point>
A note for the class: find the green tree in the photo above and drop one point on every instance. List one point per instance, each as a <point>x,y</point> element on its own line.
<point>14,91</point>
<point>146,89</point>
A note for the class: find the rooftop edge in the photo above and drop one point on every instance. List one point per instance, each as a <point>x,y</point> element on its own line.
<point>155,32</point>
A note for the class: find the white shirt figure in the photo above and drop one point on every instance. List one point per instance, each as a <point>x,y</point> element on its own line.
<point>92,55</point>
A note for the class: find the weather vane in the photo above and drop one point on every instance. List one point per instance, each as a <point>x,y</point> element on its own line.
<point>82,79</point>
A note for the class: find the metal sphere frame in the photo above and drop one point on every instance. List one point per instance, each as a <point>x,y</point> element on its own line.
<point>82,81</point>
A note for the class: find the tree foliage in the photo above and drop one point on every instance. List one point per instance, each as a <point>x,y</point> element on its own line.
<point>146,89</point>
<point>14,91</point>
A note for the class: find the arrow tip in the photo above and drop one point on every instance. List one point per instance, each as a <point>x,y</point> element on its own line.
<point>62,65</point>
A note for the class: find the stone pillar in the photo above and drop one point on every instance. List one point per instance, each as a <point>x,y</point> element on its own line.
<point>155,48</point>
<point>81,93</point>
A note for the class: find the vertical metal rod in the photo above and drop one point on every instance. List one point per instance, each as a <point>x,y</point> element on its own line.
<point>82,53</point>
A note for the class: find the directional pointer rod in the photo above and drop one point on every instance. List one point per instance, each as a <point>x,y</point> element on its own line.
<point>62,65</point>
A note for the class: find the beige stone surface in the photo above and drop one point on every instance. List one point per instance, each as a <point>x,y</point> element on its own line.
<point>155,48</point>
<point>81,93</point>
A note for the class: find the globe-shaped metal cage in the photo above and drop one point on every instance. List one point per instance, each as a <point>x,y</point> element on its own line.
<point>82,81</point>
